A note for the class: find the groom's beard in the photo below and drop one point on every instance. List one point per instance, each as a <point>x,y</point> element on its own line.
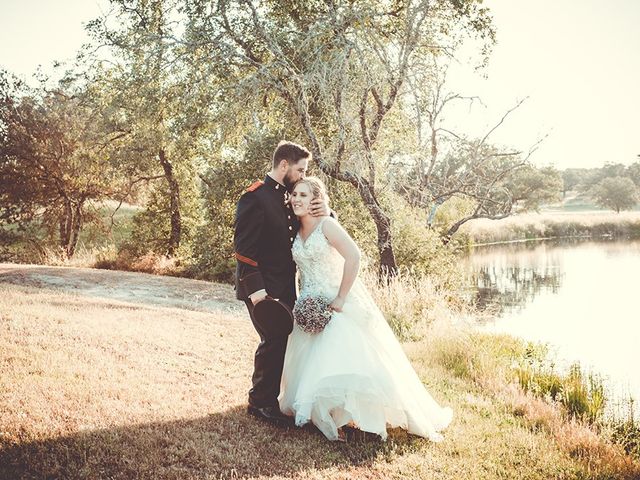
<point>288,182</point>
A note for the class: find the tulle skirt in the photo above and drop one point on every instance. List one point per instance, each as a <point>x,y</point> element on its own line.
<point>355,372</point>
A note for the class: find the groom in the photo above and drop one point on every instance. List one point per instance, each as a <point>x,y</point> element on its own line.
<point>265,228</point>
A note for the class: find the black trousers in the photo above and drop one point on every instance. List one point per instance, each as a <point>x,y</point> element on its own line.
<point>268,362</point>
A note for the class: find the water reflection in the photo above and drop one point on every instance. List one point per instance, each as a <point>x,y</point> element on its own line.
<point>506,278</point>
<point>581,298</point>
<point>513,287</point>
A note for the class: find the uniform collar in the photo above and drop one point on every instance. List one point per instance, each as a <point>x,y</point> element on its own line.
<point>275,185</point>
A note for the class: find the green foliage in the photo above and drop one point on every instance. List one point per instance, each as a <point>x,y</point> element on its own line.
<point>353,216</point>
<point>223,184</point>
<point>571,178</point>
<point>151,227</point>
<point>536,374</point>
<point>161,112</point>
<point>452,210</point>
<point>337,71</point>
<point>532,187</point>
<point>583,180</point>
<point>54,158</point>
<point>419,248</point>
<point>115,225</point>
<point>581,397</point>
<point>617,193</point>
<point>633,172</point>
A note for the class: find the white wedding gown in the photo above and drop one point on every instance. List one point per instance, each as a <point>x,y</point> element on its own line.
<point>355,371</point>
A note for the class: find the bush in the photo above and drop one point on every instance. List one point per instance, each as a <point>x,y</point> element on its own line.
<point>581,397</point>
<point>151,227</point>
<point>627,434</point>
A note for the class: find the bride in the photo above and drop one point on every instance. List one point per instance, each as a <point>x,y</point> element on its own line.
<point>354,372</point>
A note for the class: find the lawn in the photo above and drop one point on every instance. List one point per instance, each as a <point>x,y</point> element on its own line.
<point>122,375</point>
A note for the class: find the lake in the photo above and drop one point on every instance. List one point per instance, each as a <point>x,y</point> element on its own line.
<point>582,298</point>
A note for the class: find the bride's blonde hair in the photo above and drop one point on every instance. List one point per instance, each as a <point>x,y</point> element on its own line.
<point>318,190</point>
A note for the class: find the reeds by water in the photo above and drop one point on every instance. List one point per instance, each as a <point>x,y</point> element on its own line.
<point>552,225</point>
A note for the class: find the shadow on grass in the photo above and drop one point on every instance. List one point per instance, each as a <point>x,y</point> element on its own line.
<point>229,444</point>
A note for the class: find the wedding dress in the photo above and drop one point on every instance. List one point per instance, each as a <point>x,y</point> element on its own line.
<point>354,371</point>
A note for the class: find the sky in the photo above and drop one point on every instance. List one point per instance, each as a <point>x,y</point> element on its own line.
<point>578,64</point>
<point>576,61</point>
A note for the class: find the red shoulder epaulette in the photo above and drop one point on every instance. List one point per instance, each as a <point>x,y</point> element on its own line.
<point>255,185</point>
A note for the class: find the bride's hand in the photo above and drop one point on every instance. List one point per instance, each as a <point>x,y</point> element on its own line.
<point>337,304</point>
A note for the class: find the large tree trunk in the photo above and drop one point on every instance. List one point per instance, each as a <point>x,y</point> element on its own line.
<point>174,193</point>
<point>75,230</point>
<point>65,225</point>
<point>70,226</point>
<point>388,266</point>
<point>446,237</point>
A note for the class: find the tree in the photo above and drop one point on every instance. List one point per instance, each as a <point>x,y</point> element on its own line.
<point>572,178</point>
<point>336,69</point>
<point>153,98</point>
<point>591,177</point>
<point>633,172</point>
<point>53,160</point>
<point>444,165</point>
<point>617,193</point>
<point>611,170</point>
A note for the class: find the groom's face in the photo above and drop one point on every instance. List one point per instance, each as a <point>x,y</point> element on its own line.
<point>295,172</point>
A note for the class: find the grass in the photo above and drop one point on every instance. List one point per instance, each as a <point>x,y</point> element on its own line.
<point>581,395</point>
<point>94,387</point>
<point>105,232</point>
<point>531,226</point>
<point>572,422</point>
<point>411,302</point>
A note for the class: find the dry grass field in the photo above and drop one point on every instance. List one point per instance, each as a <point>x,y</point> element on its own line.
<point>553,224</point>
<point>115,375</point>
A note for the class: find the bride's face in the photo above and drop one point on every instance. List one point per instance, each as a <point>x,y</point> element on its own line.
<point>301,199</point>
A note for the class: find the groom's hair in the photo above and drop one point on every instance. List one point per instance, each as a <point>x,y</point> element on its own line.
<point>292,152</point>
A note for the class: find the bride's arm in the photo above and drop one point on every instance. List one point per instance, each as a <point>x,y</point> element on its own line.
<point>344,244</point>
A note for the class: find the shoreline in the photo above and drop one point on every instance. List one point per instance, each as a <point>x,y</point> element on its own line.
<point>549,225</point>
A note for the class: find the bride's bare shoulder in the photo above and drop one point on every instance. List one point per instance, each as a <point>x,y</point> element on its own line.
<point>330,224</point>
<point>333,230</point>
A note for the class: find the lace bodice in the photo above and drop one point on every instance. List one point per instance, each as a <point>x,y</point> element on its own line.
<point>320,265</point>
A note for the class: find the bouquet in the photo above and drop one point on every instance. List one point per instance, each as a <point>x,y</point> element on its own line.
<point>312,314</point>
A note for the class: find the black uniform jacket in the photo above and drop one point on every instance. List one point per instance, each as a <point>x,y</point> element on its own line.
<point>264,231</point>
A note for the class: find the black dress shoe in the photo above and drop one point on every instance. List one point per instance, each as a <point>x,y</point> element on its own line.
<point>270,414</point>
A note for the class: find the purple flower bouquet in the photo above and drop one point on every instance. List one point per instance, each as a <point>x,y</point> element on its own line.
<point>312,314</point>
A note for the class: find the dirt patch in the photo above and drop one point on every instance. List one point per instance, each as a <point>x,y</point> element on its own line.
<point>132,287</point>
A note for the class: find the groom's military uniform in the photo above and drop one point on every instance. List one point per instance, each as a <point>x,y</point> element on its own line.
<point>265,228</point>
